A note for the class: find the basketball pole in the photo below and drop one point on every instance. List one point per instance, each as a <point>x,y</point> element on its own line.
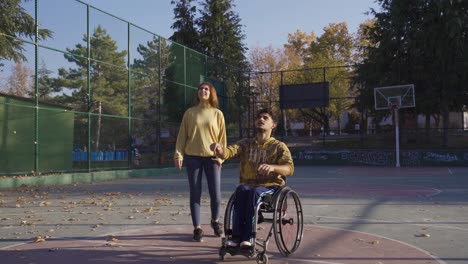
<point>397,137</point>
<point>395,97</point>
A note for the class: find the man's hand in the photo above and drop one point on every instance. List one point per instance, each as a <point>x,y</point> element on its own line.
<point>265,169</point>
<point>178,163</point>
<point>217,149</point>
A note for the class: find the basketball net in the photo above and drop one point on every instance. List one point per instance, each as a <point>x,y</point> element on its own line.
<point>393,106</point>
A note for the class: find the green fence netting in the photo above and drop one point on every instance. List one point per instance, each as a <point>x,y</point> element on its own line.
<point>105,94</point>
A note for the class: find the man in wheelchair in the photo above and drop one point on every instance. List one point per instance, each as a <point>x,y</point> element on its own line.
<point>264,164</point>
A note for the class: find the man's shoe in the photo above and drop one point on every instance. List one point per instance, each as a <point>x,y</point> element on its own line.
<point>245,244</point>
<point>218,231</point>
<point>232,243</point>
<point>198,235</point>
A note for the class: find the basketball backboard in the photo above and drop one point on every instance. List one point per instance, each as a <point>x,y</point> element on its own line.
<point>304,95</point>
<point>399,96</point>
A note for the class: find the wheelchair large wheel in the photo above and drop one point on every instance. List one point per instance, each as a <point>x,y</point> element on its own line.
<point>288,221</point>
<point>228,217</point>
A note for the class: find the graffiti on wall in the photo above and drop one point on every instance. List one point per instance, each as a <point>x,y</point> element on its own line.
<point>379,157</point>
<point>410,158</point>
<point>365,157</point>
<point>440,157</point>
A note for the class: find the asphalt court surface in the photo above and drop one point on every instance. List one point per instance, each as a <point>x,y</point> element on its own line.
<point>351,215</point>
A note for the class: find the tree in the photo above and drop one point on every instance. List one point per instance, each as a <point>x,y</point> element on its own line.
<point>178,84</point>
<point>108,74</point>
<point>109,84</point>
<point>19,82</point>
<point>44,82</point>
<point>16,23</point>
<point>222,38</point>
<point>266,80</point>
<point>333,48</point>
<point>267,60</point>
<point>184,26</point>
<point>297,46</point>
<point>221,32</point>
<point>145,79</point>
<point>419,42</point>
<point>362,41</point>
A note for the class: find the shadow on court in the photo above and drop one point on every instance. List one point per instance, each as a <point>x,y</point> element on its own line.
<point>351,215</point>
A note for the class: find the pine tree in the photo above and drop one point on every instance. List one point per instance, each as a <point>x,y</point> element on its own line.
<point>222,38</point>
<point>177,83</point>
<point>184,27</point>
<point>108,81</point>
<point>44,81</point>
<point>221,32</point>
<point>16,23</point>
<point>108,74</point>
<point>146,92</point>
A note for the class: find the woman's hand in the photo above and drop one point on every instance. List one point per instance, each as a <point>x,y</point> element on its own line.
<point>178,163</point>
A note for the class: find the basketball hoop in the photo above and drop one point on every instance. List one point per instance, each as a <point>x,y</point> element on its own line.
<point>393,98</point>
<point>392,106</point>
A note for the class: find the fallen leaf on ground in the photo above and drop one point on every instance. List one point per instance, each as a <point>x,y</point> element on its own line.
<point>422,235</point>
<point>39,239</point>
<point>112,239</point>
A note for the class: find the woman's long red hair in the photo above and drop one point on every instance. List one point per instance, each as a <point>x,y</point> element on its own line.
<point>213,100</point>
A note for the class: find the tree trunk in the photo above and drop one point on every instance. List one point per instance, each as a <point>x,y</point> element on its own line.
<point>98,130</point>
<point>339,126</point>
<point>326,124</point>
<point>427,127</point>
<point>446,122</point>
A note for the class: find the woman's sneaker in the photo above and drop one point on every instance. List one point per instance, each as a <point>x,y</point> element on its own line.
<point>218,231</point>
<point>198,235</point>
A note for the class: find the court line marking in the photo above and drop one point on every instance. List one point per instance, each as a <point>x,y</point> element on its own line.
<point>311,261</point>
<point>436,258</point>
<point>388,221</point>
<point>435,192</point>
<point>89,240</point>
<point>93,239</point>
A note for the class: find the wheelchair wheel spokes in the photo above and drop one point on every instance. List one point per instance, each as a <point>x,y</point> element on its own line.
<point>288,222</point>
<point>228,216</point>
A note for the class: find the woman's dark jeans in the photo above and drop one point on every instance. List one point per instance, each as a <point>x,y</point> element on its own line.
<point>195,167</point>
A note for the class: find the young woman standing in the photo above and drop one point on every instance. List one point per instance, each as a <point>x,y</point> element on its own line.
<point>202,125</point>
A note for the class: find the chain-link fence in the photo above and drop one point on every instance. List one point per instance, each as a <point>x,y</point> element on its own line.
<point>346,123</point>
<point>105,94</point>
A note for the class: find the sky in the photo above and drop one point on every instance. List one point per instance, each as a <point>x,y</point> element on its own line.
<point>265,22</point>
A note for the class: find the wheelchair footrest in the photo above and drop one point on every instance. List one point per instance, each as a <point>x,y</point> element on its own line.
<point>250,253</point>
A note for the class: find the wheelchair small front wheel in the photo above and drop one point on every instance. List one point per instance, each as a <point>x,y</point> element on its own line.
<point>262,258</point>
<point>222,253</point>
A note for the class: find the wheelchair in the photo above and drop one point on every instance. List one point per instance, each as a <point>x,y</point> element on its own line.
<point>283,210</point>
